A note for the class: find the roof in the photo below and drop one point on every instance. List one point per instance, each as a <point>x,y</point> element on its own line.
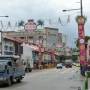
<point>13,39</point>
<point>51,28</point>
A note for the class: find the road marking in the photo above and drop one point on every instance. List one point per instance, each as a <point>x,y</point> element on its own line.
<point>67,70</point>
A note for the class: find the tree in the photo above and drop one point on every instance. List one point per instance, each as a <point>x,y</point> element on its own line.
<point>40,22</point>
<point>86,40</point>
<point>21,23</point>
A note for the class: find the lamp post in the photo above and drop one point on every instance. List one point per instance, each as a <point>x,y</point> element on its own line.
<point>81,36</point>
<point>2,35</point>
<point>81,8</point>
<point>70,10</point>
<point>4,16</point>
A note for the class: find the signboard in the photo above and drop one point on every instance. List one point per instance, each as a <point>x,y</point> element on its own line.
<point>30,26</point>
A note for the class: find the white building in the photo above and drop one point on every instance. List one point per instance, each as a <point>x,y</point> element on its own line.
<point>10,46</point>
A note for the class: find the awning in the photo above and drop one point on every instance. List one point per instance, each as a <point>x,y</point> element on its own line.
<point>35,48</point>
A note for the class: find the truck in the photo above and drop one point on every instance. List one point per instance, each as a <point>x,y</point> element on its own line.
<point>27,57</point>
<point>11,69</point>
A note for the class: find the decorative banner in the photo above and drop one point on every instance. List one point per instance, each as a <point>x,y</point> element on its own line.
<point>81,31</point>
<point>81,35</point>
<point>82,47</point>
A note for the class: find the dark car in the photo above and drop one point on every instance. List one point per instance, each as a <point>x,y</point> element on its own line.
<point>68,64</point>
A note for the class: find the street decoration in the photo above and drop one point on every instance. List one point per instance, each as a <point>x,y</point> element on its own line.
<point>81,35</point>
<point>82,41</point>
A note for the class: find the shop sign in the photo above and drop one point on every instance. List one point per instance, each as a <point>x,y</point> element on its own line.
<point>30,26</point>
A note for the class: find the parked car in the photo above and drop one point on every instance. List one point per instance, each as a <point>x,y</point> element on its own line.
<point>59,66</point>
<point>68,63</point>
<point>11,68</point>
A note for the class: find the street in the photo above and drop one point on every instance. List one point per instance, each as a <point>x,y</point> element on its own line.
<point>44,45</point>
<point>50,79</point>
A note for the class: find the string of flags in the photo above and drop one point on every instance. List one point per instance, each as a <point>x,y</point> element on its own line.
<point>9,25</point>
<point>60,21</point>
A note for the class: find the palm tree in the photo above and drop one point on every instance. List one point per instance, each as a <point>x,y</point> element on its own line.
<point>40,22</point>
<point>21,23</point>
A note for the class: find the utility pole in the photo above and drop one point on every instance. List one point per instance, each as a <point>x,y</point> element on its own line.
<point>81,37</point>
<point>81,7</point>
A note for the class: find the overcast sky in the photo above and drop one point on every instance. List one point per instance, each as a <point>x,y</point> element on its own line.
<point>46,9</point>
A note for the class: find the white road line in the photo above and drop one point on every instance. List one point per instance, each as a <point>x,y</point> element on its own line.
<point>69,70</point>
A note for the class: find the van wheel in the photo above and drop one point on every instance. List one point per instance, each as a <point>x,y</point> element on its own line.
<point>9,82</point>
<point>30,70</point>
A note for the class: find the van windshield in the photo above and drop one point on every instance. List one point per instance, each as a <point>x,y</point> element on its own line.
<point>2,65</point>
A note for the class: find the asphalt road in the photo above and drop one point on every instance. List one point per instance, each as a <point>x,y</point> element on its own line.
<point>51,79</point>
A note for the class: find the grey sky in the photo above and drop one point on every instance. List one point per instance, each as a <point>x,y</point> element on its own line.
<point>36,8</point>
<point>46,9</point>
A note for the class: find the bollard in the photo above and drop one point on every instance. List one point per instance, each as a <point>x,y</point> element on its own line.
<point>79,88</point>
<point>85,82</point>
<point>86,75</point>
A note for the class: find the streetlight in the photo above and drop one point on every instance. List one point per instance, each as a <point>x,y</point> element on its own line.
<point>81,8</point>
<point>1,34</point>
<point>4,16</point>
<point>70,10</point>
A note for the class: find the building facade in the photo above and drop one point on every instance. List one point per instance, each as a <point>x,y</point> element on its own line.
<point>10,46</point>
<point>43,41</point>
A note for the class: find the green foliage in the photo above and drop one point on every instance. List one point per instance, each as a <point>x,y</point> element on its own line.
<point>86,40</point>
<point>21,23</point>
<point>85,19</point>
<point>74,50</point>
<point>74,58</point>
<point>60,58</point>
<point>40,22</point>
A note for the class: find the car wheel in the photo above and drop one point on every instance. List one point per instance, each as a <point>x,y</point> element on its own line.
<point>30,70</point>
<point>57,67</point>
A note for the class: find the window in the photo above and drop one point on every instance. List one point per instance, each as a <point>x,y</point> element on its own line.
<point>40,37</point>
<point>8,53</point>
<point>22,37</point>
<point>11,48</point>
<point>6,47</point>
